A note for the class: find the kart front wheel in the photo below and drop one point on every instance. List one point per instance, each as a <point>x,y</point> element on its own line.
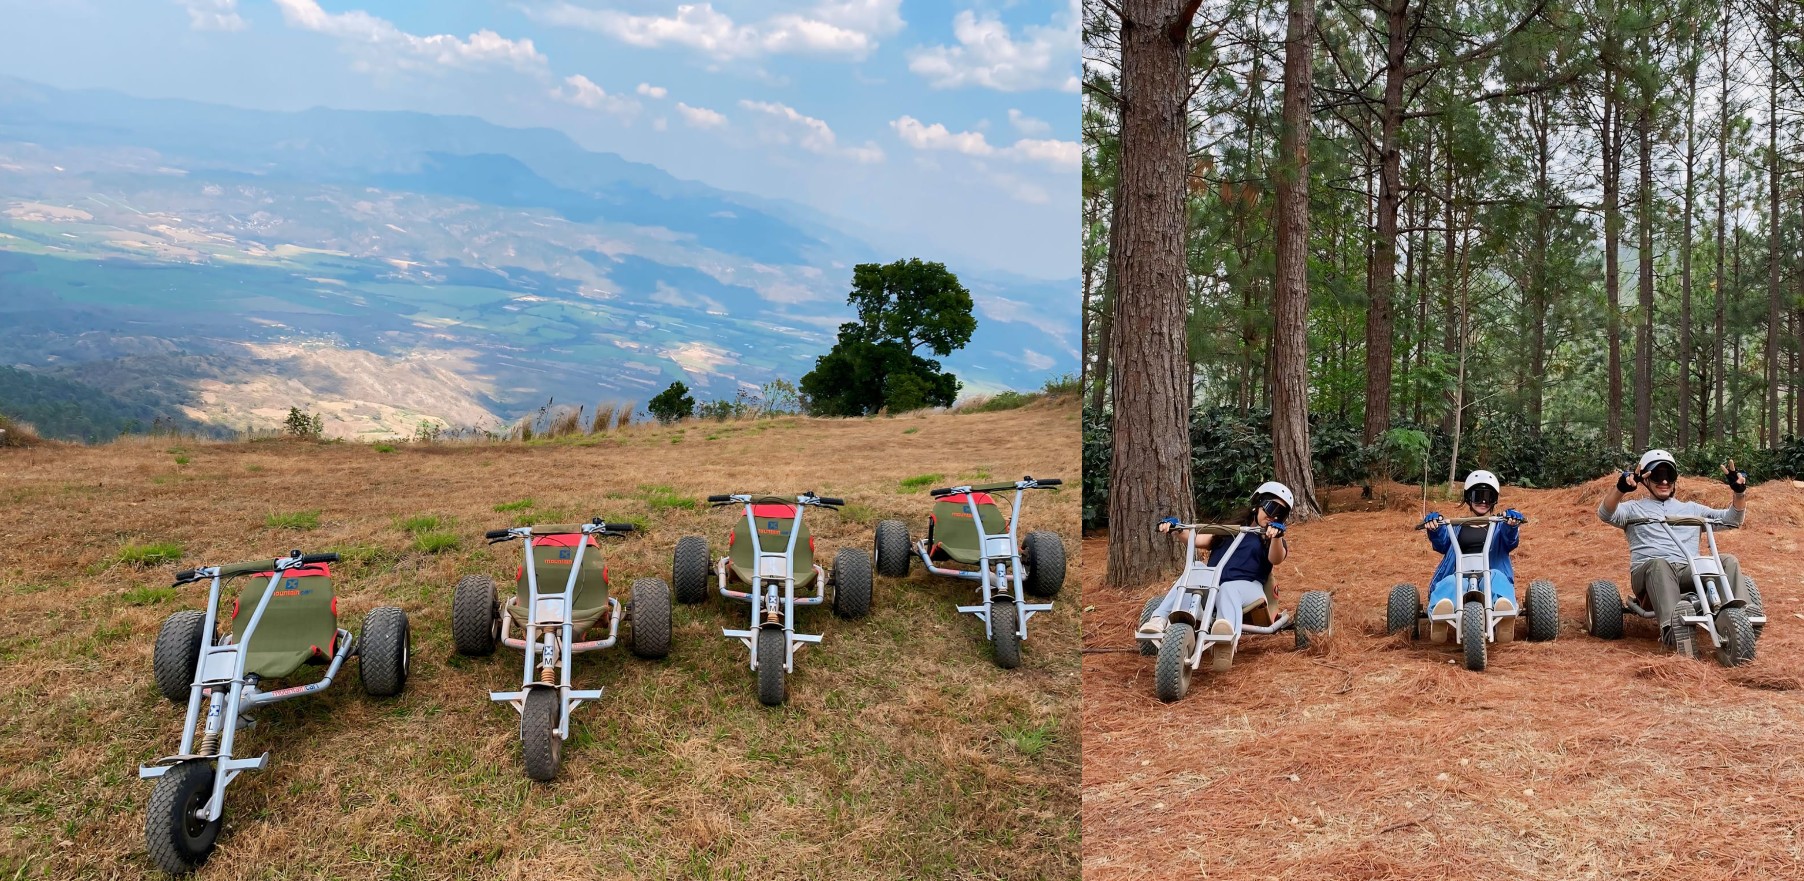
<point>1004,640</point>
<point>773,680</point>
<point>179,840</point>
<point>1472,635</point>
<point>1737,632</point>
<point>539,743</point>
<point>1171,673</point>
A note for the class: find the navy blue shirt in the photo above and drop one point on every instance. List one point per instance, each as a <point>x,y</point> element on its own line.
<point>1250,562</point>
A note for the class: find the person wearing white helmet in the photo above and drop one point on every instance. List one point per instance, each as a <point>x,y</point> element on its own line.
<point>1659,555</point>
<point>1481,494</point>
<point>1244,577</point>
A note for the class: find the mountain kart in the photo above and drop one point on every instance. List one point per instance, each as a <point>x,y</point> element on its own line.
<point>1732,623</point>
<point>772,555</point>
<point>969,538</point>
<point>553,626</point>
<point>1473,612</point>
<point>290,618</point>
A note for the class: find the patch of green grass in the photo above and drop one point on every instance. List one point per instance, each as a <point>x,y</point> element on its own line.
<point>978,474</point>
<point>859,513</point>
<point>145,595</point>
<point>1009,400</point>
<point>659,497</point>
<point>156,553</point>
<point>364,555</point>
<point>296,520</point>
<point>918,481</point>
<point>520,505</point>
<point>182,460</point>
<point>384,448</point>
<point>911,430</point>
<point>253,468</point>
<point>1030,742</point>
<point>435,542</point>
<point>423,523</point>
<point>1062,384</point>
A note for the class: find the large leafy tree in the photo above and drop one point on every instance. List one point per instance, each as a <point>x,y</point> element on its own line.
<point>903,308</point>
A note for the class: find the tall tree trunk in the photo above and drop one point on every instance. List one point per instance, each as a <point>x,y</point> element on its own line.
<point>1771,434</point>
<point>1384,258</point>
<point>1685,248</point>
<point>1644,329</point>
<point>1612,150</point>
<point>1450,310</point>
<point>1149,475</point>
<point>1100,374</point>
<point>1290,330</point>
<point>1537,286</point>
<point>1722,200</point>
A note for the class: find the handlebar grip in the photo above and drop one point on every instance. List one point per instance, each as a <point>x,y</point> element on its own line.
<point>247,567</point>
<point>1049,481</point>
<point>713,499</point>
<point>310,559</point>
<point>943,491</point>
<point>495,534</point>
<point>620,527</point>
<point>184,576</point>
<point>830,501</point>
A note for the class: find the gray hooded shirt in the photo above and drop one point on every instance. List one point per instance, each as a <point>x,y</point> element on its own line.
<point>1657,541</point>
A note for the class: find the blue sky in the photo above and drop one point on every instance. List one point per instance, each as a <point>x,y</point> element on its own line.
<point>946,130</point>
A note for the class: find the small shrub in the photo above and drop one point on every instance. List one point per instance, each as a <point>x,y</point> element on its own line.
<point>297,520</point>
<point>911,430</point>
<point>672,403</point>
<point>663,497</point>
<point>153,554</point>
<point>146,595</point>
<point>182,460</point>
<point>1008,400</point>
<point>14,433</point>
<point>435,542</point>
<point>426,432</point>
<point>1063,384</point>
<point>423,523</point>
<point>306,426</point>
<point>384,448</point>
<point>918,481</point>
<point>520,505</point>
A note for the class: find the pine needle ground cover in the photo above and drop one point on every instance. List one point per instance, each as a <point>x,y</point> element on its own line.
<point>903,753</point>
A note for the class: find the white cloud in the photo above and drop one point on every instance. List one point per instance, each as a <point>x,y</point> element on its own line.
<point>1028,125</point>
<point>813,135</point>
<point>382,44</point>
<point>700,117</point>
<point>1059,155</point>
<point>214,15</point>
<point>651,91</point>
<point>989,56</point>
<point>660,124</point>
<point>848,28</point>
<point>579,90</point>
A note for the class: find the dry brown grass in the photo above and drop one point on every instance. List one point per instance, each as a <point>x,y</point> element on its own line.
<point>565,423</point>
<point>1382,758</point>
<point>904,752</point>
<point>14,433</point>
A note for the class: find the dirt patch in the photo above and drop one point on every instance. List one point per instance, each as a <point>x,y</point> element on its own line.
<point>1378,758</point>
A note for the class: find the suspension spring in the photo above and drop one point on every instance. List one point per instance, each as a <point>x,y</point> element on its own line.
<point>548,675</point>
<point>209,744</point>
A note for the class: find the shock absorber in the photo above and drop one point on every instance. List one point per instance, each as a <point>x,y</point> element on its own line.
<point>209,742</point>
<point>548,675</point>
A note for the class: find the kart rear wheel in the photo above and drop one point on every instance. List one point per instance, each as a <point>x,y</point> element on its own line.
<point>1403,610</point>
<point>1472,635</point>
<point>1315,616</point>
<point>1043,554</point>
<point>1738,637</point>
<point>1603,610</point>
<point>179,841</point>
<point>383,651</point>
<point>1147,646</point>
<point>892,549</point>
<point>539,743</point>
<point>1004,641</point>
<point>1543,611</point>
<point>689,569</point>
<point>650,618</point>
<point>773,680</point>
<point>851,583</point>
<point>176,653</point>
<point>1756,605</point>
<point>1171,674</point>
<point>475,616</point>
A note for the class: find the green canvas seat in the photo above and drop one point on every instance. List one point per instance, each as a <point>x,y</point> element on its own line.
<point>301,621</point>
<point>776,520</point>
<point>552,556</point>
<point>953,535</point>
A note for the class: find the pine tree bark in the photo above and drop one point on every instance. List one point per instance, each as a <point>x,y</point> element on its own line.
<point>1612,150</point>
<point>1644,329</point>
<point>1770,435</point>
<point>1290,331</point>
<point>1384,257</point>
<point>1149,476</point>
<point>1685,247</point>
<point>1537,287</point>
<point>1721,293</point>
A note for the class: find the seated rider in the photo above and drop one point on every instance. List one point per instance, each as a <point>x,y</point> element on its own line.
<point>1443,596</point>
<point>1244,577</point>
<point>1660,555</point>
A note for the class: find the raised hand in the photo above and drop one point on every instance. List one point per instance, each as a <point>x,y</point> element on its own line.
<point>1627,481</point>
<point>1737,480</point>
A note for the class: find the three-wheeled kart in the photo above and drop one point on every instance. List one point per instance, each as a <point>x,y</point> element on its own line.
<point>1733,623</point>
<point>1473,622</point>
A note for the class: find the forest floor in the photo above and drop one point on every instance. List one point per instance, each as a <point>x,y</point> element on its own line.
<point>903,752</point>
<point>1372,757</point>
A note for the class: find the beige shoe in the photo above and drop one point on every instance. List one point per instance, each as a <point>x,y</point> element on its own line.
<point>1441,631</point>
<point>1506,630</point>
<point>1221,654</point>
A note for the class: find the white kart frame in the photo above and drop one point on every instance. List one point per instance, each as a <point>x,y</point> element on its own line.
<point>1474,574</point>
<point>772,596</point>
<point>1193,597</point>
<point>999,571</point>
<point>1709,581</point>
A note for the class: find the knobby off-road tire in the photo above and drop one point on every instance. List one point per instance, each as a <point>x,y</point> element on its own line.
<point>1681,636</point>
<point>475,616</point>
<point>1043,555</point>
<point>1756,605</point>
<point>1472,635</point>
<point>178,841</point>
<point>1738,637</point>
<point>851,583</point>
<point>176,653</point>
<point>1147,646</point>
<point>1403,610</point>
<point>773,680</point>
<point>1603,610</point>
<point>893,549</point>
<point>1543,611</point>
<point>539,743</point>
<point>1315,616</point>
<point>1171,673</point>
<point>383,652</point>
<point>689,569</point>
<point>1004,641</point>
<point>650,618</point>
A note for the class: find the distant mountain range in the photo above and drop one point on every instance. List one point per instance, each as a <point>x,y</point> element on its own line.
<point>387,268</point>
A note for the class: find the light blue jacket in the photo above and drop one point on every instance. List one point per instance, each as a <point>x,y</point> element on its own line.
<point>1442,538</point>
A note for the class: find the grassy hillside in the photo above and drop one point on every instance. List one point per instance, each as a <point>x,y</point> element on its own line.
<point>68,410</point>
<point>903,753</point>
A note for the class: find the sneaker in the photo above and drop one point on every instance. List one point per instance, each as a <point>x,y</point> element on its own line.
<point>1506,630</point>
<point>1221,654</point>
<point>1441,631</point>
<point>1155,624</point>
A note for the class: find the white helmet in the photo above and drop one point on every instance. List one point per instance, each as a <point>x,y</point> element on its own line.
<point>1654,457</point>
<point>1277,490</point>
<point>1483,478</point>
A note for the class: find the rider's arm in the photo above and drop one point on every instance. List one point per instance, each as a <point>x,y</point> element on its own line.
<point>1276,550</point>
<point>1607,508</point>
<point>1508,536</point>
<point>1438,537</point>
<point>1204,541</point>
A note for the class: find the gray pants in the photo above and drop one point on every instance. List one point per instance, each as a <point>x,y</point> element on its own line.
<point>1661,582</point>
<point>1233,596</point>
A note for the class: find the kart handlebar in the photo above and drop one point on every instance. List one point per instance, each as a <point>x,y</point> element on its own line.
<point>267,564</point>
<point>829,501</point>
<point>1467,521</point>
<point>1675,521</point>
<point>497,534</point>
<point>715,500</point>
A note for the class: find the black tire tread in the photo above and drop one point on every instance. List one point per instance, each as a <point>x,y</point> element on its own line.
<point>690,567</point>
<point>1543,611</point>
<point>1603,610</point>
<point>1738,637</point>
<point>382,660</point>
<point>1044,559</point>
<point>1171,673</point>
<point>851,583</point>
<point>650,618</point>
<point>539,743</point>
<point>1315,615</point>
<point>892,546</point>
<point>177,651</point>
<point>475,614</point>
<point>1402,609</point>
<point>1147,646</point>
<point>165,834</point>
<point>1005,643</point>
<point>1472,635</point>
<point>773,680</point>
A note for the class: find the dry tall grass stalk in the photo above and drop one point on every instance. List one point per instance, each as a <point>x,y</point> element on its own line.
<point>624,416</point>
<point>565,422</point>
<point>15,433</point>
<point>604,418</point>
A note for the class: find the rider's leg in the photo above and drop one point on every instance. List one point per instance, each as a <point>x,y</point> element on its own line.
<point>1660,581</point>
<point>1235,595</point>
<point>1732,570</point>
<point>1502,588</point>
<point>1442,600</point>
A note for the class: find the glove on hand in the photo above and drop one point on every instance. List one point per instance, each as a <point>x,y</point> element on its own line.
<point>1626,482</point>
<point>1514,516</point>
<point>1168,524</point>
<point>1737,480</point>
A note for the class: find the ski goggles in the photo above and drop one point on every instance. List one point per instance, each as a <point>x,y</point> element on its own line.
<point>1481,495</point>
<point>1662,472</point>
<point>1275,509</point>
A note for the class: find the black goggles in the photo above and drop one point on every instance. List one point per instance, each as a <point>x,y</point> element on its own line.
<point>1662,472</point>
<point>1275,509</point>
<point>1482,495</point>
